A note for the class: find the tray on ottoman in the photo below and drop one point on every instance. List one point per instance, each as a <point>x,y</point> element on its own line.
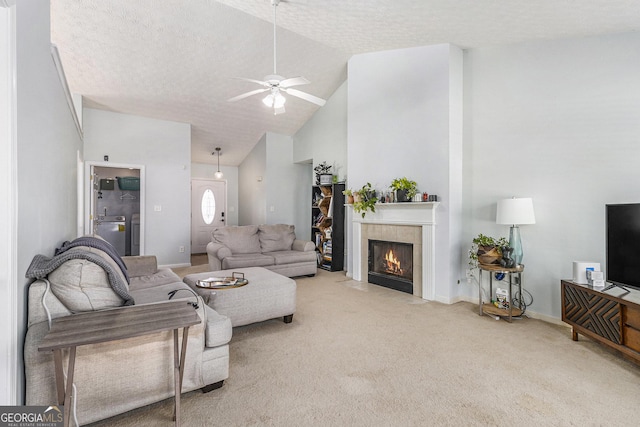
<point>235,281</point>
<point>266,295</point>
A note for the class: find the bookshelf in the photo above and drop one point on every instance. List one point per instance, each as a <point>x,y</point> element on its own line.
<point>327,225</point>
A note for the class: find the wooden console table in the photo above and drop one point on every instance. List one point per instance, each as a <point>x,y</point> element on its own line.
<point>610,317</point>
<point>115,324</point>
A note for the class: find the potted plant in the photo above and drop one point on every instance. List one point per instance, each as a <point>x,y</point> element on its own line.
<point>486,250</point>
<point>323,174</point>
<point>365,200</point>
<point>349,195</point>
<point>405,189</point>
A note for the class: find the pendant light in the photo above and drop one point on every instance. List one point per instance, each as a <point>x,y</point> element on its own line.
<point>218,174</point>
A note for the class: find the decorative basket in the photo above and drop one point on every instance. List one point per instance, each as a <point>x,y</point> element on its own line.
<point>326,179</point>
<point>489,255</point>
<point>128,183</point>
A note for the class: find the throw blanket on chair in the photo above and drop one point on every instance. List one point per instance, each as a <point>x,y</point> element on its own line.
<point>42,265</point>
<point>94,242</point>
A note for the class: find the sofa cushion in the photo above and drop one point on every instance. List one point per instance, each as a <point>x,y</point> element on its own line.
<point>241,239</point>
<point>150,295</point>
<point>247,260</point>
<point>278,237</point>
<point>82,285</point>
<point>162,276</point>
<point>140,265</point>
<point>292,257</point>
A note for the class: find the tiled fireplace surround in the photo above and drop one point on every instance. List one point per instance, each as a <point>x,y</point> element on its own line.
<point>411,222</point>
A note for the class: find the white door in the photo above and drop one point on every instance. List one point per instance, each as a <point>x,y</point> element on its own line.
<point>208,210</point>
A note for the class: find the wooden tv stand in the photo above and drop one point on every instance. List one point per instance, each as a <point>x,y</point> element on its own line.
<point>611,317</point>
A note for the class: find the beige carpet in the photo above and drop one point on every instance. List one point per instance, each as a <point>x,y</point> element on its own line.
<point>363,355</point>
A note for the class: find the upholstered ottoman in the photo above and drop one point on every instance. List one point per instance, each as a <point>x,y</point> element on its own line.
<point>267,295</point>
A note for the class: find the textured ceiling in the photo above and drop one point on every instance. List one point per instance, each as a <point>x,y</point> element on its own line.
<point>176,60</point>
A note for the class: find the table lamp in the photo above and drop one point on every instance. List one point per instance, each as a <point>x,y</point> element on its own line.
<point>515,211</point>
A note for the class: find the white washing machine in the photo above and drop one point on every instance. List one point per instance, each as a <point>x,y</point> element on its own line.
<point>113,230</point>
<point>135,234</point>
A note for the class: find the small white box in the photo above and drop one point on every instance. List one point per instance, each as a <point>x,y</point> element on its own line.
<point>594,275</point>
<point>599,283</point>
<point>580,271</point>
<point>502,298</point>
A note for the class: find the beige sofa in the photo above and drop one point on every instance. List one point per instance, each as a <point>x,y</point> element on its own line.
<point>274,247</point>
<point>115,377</point>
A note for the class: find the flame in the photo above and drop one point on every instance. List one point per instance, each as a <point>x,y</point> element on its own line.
<point>393,263</point>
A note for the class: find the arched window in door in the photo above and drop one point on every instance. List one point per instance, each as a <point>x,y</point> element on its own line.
<point>208,205</point>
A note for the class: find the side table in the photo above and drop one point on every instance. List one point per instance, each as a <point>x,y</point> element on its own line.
<point>94,327</point>
<point>488,307</point>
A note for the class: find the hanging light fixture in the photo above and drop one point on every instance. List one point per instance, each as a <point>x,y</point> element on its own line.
<point>218,174</point>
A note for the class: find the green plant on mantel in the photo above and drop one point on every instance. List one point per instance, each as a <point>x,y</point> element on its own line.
<point>405,184</point>
<point>349,195</point>
<point>367,200</point>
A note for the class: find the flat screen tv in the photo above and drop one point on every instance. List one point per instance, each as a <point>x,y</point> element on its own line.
<point>623,244</point>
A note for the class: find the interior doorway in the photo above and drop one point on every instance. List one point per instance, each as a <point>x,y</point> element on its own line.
<point>114,203</point>
<point>208,209</point>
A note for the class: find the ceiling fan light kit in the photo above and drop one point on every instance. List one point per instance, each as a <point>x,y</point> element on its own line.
<point>275,84</point>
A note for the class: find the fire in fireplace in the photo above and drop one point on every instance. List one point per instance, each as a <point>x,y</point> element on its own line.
<point>391,265</point>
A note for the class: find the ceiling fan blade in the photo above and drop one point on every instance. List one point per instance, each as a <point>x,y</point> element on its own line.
<point>294,81</point>
<point>260,82</point>
<point>247,94</point>
<point>306,96</point>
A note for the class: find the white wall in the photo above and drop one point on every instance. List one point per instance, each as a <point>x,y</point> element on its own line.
<point>230,175</point>
<point>8,209</point>
<point>557,121</point>
<point>48,143</point>
<point>164,148</point>
<point>283,177</point>
<point>252,195</point>
<point>404,119</point>
<point>269,182</point>
<point>323,138</point>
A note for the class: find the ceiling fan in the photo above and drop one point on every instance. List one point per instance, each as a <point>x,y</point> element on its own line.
<point>276,85</point>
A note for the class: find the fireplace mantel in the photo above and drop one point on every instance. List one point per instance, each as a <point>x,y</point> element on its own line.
<point>417,214</point>
<point>408,213</point>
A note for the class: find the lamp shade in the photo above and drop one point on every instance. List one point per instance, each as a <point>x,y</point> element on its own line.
<point>515,211</point>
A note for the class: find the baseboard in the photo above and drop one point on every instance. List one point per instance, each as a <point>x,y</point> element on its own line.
<point>188,264</point>
<point>529,313</point>
<point>546,318</point>
<point>459,298</point>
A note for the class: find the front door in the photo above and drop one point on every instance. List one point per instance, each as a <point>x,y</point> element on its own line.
<point>208,207</point>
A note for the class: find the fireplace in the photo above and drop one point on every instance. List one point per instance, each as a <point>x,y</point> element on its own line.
<point>391,265</point>
<point>413,223</point>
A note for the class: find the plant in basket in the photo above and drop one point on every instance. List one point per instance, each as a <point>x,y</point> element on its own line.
<point>349,194</point>
<point>486,250</point>
<point>320,170</point>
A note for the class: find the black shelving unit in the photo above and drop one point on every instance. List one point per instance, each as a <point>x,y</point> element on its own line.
<point>327,225</point>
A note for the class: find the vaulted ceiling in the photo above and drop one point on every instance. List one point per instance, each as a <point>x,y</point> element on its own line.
<point>176,60</point>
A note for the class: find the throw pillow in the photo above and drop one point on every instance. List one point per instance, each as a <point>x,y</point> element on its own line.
<point>278,237</point>
<point>240,239</point>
